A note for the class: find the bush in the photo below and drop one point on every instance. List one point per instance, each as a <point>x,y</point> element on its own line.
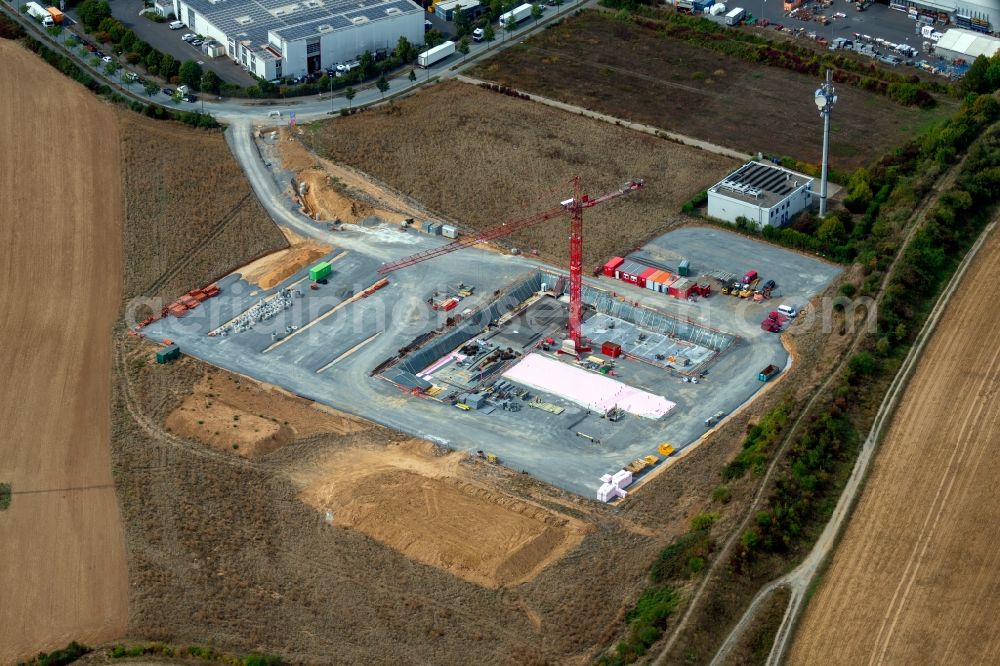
<point>67,655</point>
<point>757,444</point>
<point>703,521</point>
<point>5,495</point>
<point>848,289</point>
<point>721,494</point>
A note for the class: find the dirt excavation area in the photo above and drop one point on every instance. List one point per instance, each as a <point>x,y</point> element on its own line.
<point>498,159</point>
<point>914,580</point>
<point>63,573</point>
<point>417,500</point>
<point>338,193</point>
<point>229,412</point>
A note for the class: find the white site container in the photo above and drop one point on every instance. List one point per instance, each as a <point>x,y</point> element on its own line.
<point>622,478</point>
<point>606,492</point>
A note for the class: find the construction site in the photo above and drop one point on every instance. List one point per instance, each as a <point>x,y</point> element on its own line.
<point>588,383</point>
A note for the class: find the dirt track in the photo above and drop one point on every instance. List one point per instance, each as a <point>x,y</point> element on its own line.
<point>913,580</point>
<point>62,564</point>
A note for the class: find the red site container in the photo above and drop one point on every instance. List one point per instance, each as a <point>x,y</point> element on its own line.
<point>612,349</point>
<point>609,268</point>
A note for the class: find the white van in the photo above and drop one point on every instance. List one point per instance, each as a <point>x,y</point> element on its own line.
<point>176,25</point>
<point>787,310</point>
<point>274,114</point>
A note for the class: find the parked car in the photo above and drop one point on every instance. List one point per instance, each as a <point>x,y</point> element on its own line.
<point>176,25</point>
<point>167,91</point>
<point>188,36</point>
<point>427,26</point>
<point>190,98</point>
<point>197,42</point>
<point>106,58</point>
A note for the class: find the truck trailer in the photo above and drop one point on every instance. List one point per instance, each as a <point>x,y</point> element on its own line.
<point>519,13</point>
<point>768,373</point>
<point>39,13</point>
<point>735,16</point>
<point>57,16</point>
<point>436,54</point>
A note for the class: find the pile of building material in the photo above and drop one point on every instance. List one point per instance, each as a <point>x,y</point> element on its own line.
<point>265,309</point>
<point>613,485</point>
<point>191,300</point>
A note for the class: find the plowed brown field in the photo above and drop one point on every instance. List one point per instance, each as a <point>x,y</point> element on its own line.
<point>914,580</point>
<point>62,553</point>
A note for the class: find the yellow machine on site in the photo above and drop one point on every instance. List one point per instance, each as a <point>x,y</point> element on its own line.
<point>665,449</point>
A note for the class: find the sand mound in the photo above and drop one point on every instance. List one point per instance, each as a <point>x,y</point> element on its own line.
<point>412,501</point>
<point>271,270</point>
<point>223,426</point>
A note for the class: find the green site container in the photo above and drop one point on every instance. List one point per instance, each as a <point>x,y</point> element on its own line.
<point>320,271</point>
<point>168,353</point>
<point>684,268</point>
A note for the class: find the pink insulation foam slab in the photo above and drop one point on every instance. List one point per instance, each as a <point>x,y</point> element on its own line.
<point>590,390</point>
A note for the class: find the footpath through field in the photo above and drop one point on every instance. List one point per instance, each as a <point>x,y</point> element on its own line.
<point>63,572</point>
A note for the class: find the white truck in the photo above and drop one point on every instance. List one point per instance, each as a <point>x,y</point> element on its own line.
<point>735,16</point>
<point>436,54</point>
<point>40,13</point>
<point>519,13</point>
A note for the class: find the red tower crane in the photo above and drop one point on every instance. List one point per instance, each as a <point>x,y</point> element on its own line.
<point>574,208</point>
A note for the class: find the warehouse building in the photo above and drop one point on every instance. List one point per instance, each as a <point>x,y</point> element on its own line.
<point>765,194</point>
<point>276,38</point>
<point>959,44</point>
<point>979,15</point>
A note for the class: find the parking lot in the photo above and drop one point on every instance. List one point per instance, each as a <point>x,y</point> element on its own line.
<point>165,40</point>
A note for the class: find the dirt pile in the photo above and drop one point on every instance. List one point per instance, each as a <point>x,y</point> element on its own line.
<point>416,502</point>
<point>230,413</point>
<point>335,194</point>
<point>272,269</point>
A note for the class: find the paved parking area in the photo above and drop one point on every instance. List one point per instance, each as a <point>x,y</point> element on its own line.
<point>163,39</point>
<point>798,276</point>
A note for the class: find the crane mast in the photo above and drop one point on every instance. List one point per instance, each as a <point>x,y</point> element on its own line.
<point>574,209</point>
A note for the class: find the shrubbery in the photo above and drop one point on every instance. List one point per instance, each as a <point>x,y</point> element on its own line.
<point>67,655</point>
<point>757,444</point>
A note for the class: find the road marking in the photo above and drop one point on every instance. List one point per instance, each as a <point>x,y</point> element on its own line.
<point>350,351</point>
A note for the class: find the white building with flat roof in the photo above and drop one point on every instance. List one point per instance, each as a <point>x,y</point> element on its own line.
<point>959,44</point>
<point>765,194</point>
<point>275,38</point>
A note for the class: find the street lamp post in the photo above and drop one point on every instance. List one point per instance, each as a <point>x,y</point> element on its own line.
<point>825,99</point>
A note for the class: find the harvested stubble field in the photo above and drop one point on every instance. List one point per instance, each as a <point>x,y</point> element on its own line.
<point>190,216</point>
<point>639,74</point>
<point>62,555</point>
<point>914,578</point>
<point>483,159</point>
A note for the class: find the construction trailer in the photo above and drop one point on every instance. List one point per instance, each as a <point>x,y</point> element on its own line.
<point>631,271</point>
<point>320,271</point>
<point>168,353</point>
<point>612,266</point>
<point>682,288</point>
